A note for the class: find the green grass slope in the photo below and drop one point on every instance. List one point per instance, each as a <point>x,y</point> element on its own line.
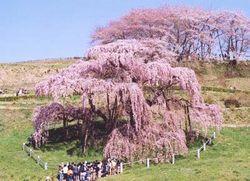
<point>227,159</point>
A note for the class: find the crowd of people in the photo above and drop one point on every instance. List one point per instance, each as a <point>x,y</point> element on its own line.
<point>88,171</point>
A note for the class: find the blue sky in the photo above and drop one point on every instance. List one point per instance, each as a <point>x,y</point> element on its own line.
<point>38,29</point>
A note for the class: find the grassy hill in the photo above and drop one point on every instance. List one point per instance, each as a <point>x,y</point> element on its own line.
<point>27,74</point>
<point>227,159</point>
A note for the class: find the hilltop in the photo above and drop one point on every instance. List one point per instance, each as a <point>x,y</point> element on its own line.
<point>27,74</point>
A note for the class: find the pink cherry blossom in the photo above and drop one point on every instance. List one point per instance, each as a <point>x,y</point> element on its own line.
<point>188,32</point>
<point>131,86</point>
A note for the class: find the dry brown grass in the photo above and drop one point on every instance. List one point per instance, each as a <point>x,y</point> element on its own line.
<point>27,74</point>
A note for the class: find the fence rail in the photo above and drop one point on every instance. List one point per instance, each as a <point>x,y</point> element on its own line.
<point>145,161</point>
<point>204,146</point>
<point>44,164</point>
<point>37,158</point>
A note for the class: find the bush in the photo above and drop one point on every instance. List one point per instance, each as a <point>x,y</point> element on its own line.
<point>244,99</point>
<point>231,103</point>
<point>209,99</point>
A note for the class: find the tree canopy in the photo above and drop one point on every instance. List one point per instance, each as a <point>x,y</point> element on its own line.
<point>190,33</point>
<point>147,106</point>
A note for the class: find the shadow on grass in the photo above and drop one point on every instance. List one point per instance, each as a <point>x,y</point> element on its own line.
<point>71,143</point>
<point>72,148</point>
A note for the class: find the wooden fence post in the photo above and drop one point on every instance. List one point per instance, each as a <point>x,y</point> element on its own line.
<point>198,153</point>
<point>173,159</point>
<point>204,146</point>
<point>46,166</point>
<point>30,151</point>
<point>121,167</point>
<point>38,160</point>
<point>148,163</point>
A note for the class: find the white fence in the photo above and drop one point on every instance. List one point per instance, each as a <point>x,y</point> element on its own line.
<point>204,146</point>
<point>37,158</point>
<point>146,161</point>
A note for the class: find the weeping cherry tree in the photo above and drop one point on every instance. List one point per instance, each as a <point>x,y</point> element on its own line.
<point>148,107</point>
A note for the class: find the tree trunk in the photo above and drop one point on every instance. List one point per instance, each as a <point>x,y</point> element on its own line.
<point>221,49</point>
<point>189,120</point>
<point>85,134</point>
<point>65,126</point>
<point>186,127</point>
<point>96,111</point>
<point>85,139</point>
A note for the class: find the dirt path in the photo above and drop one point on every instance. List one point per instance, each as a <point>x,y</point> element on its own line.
<point>236,125</point>
<point>15,108</point>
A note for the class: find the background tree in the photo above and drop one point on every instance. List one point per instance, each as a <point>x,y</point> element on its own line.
<point>233,34</point>
<point>190,33</point>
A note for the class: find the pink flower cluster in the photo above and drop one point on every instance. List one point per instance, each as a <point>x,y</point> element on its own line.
<point>190,33</point>
<point>113,83</point>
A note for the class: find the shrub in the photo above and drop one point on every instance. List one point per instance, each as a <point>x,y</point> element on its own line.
<point>231,102</point>
<point>209,99</point>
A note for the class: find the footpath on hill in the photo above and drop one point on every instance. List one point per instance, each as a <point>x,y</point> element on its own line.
<point>236,125</point>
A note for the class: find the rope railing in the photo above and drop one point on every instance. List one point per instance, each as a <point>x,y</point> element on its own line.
<point>37,158</point>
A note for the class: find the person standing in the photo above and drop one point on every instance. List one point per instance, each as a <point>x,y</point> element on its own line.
<point>65,172</point>
<point>60,173</point>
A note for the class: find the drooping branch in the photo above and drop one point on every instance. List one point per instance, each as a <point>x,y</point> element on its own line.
<point>111,84</point>
<point>53,114</point>
<point>95,110</point>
